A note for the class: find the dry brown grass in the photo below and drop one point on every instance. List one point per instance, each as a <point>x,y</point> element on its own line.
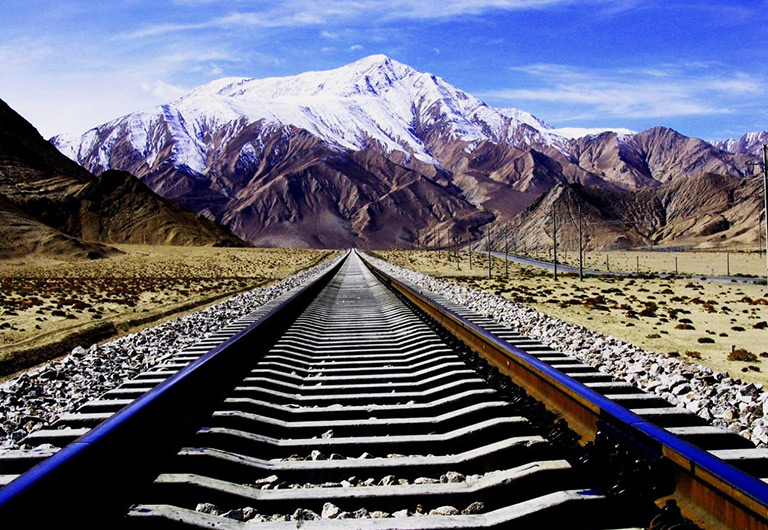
<point>703,319</point>
<point>706,263</point>
<point>46,307</point>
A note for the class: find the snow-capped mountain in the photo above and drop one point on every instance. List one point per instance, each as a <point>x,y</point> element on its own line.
<point>365,154</point>
<point>749,144</point>
<point>372,100</point>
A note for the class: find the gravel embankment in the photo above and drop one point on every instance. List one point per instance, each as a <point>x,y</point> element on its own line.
<point>35,399</point>
<point>725,401</point>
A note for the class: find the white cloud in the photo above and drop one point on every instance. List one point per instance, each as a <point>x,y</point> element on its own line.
<point>647,92</point>
<point>298,13</point>
<point>329,35</point>
<point>355,47</point>
<point>163,90</point>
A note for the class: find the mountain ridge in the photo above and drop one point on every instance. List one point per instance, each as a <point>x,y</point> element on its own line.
<point>245,152</point>
<point>51,205</point>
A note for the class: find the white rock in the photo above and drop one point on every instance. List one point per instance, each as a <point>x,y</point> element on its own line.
<point>330,511</point>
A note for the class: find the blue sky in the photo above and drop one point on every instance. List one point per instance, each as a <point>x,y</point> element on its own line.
<point>700,67</point>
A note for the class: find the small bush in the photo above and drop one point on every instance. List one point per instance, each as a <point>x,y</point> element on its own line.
<point>740,354</point>
<point>693,354</point>
<point>706,340</point>
<point>653,336</point>
<point>684,326</point>
<point>761,325</point>
<point>737,328</point>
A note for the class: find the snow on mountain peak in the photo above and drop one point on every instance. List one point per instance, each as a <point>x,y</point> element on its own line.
<point>526,117</point>
<point>374,99</point>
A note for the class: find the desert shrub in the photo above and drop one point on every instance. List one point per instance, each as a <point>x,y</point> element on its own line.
<point>653,336</point>
<point>706,340</point>
<point>684,326</point>
<point>686,321</point>
<point>740,354</point>
<point>693,354</point>
<point>760,325</point>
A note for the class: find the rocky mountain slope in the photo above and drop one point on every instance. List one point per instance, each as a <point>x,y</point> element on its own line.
<point>51,205</point>
<point>368,154</point>
<point>697,211</point>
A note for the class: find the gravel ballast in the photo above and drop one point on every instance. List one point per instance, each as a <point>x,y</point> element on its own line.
<point>725,401</point>
<point>35,399</point>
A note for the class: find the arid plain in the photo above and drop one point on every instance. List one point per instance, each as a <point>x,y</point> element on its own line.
<point>692,319</point>
<point>48,307</point>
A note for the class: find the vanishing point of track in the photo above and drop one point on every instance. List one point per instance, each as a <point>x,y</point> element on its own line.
<point>358,397</point>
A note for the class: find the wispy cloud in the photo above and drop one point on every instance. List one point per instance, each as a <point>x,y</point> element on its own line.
<point>356,47</point>
<point>163,90</point>
<point>297,13</point>
<point>646,92</point>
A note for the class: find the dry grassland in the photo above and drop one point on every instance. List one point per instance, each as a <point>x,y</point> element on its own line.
<point>698,320</point>
<point>48,307</point>
<point>706,263</point>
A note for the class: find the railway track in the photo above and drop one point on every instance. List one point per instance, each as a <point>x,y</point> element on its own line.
<point>357,401</point>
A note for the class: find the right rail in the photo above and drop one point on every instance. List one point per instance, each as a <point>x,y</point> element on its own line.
<point>712,492</point>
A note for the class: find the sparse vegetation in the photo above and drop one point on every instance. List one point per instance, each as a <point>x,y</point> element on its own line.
<point>713,308</point>
<point>742,355</point>
<point>43,304</point>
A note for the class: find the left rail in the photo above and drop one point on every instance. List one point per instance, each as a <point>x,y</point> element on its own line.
<point>108,462</point>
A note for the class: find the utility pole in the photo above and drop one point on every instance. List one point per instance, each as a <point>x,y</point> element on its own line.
<point>488,244</point>
<point>554,239</point>
<point>458,256</point>
<point>469,247</point>
<point>727,264</point>
<point>765,199</point>
<point>506,252</point>
<point>581,249</point>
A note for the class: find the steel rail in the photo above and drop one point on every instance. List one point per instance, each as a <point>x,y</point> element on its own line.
<point>710,491</point>
<point>105,465</point>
